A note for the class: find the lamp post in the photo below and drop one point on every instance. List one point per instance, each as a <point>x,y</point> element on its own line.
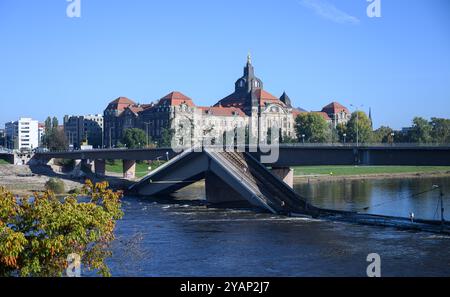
<point>110,137</point>
<point>344,135</point>
<point>392,138</point>
<point>303,138</point>
<point>146,130</point>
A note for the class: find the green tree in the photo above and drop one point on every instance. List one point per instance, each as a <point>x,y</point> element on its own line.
<point>166,137</point>
<point>48,125</point>
<point>36,236</point>
<point>420,131</point>
<point>56,140</point>
<point>383,135</point>
<point>55,123</point>
<point>134,138</point>
<point>288,139</point>
<point>313,126</point>
<point>440,131</point>
<point>359,128</point>
<point>341,129</point>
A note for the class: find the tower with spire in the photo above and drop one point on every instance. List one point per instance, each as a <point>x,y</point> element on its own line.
<point>248,82</point>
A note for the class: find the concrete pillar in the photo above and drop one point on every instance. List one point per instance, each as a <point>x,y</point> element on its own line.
<point>218,192</point>
<point>100,167</point>
<point>285,173</point>
<point>86,164</point>
<point>129,169</point>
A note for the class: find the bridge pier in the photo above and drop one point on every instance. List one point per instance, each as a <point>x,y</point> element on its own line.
<point>285,173</point>
<point>100,167</point>
<point>86,164</point>
<point>218,192</point>
<point>129,169</point>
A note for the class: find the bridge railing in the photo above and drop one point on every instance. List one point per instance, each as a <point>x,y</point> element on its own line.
<point>293,145</point>
<point>375,144</point>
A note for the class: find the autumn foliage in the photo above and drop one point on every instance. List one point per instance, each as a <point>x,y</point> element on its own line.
<point>37,234</point>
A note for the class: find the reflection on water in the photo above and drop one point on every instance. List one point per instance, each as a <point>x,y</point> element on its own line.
<point>189,239</point>
<point>397,197</point>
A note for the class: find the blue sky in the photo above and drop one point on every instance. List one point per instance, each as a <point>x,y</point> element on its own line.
<point>318,51</point>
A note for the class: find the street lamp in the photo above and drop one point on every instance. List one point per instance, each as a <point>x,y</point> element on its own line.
<point>345,135</point>
<point>146,130</point>
<point>110,140</point>
<point>303,138</point>
<point>392,138</point>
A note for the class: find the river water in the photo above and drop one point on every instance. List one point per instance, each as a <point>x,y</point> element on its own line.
<point>186,238</point>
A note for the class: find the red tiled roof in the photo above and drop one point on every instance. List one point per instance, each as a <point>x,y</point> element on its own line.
<point>334,107</point>
<point>146,106</point>
<point>135,108</point>
<point>120,103</point>
<point>175,98</point>
<point>221,111</point>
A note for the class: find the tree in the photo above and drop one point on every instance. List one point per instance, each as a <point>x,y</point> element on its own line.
<point>341,129</point>
<point>166,137</point>
<point>440,132</point>
<point>383,135</point>
<point>359,128</point>
<point>287,139</point>
<point>55,123</point>
<point>420,131</point>
<point>48,125</point>
<point>38,235</point>
<point>134,138</point>
<point>313,126</point>
<point>55,140</point>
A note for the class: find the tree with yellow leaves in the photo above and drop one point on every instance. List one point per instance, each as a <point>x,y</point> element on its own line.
<point>37,234</point>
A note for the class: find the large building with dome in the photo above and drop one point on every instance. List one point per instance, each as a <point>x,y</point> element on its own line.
<point>249,108</point>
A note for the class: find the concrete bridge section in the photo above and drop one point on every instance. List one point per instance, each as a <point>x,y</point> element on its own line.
<point>230,177</point>
<point>406,154</point>
<point>96,159</point>
<point>291,155</point>
<point>288,155</point>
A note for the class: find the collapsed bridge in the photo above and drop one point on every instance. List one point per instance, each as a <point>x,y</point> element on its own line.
<point>230,177</point>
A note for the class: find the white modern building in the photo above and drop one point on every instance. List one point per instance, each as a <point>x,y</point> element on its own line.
<point>22,134</point>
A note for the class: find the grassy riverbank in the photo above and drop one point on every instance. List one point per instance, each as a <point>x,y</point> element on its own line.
<point>338,170</point>
<point>3,162</point>
<point>141,168</point>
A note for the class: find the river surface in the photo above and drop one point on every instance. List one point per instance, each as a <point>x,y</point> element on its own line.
<point>186,238</point>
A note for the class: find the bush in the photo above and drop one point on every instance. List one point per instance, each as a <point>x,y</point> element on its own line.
<point>38,235</point>
<point>75,191</point>
<point>55,185</point>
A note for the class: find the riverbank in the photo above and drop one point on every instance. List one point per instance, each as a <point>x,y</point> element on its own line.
<point>24,180</point>
<point>343,173</point>
<point>345,170</point>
